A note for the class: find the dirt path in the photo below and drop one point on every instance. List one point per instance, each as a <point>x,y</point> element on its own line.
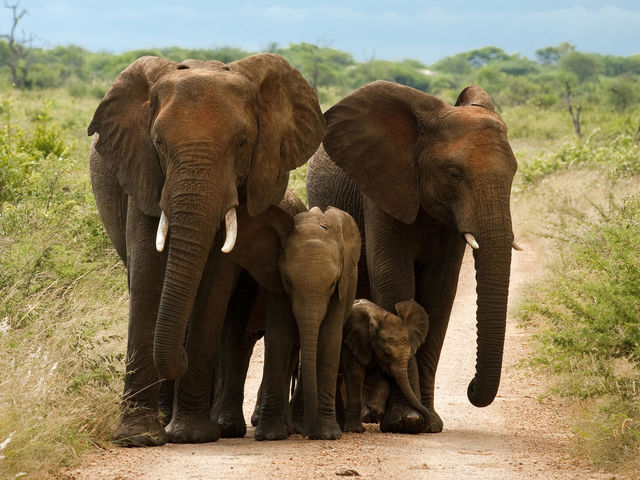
<point>517,437</point>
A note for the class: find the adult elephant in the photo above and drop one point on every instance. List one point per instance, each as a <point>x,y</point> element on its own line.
<point>178,147</point>
<point>423,179</point>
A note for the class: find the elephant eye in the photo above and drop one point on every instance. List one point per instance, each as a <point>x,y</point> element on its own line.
<point>242,140</point>
<point>455,174</point>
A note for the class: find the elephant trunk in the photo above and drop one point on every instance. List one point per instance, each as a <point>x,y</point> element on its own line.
<point>492,262</point>
<point>400,373</point>
<point>192,229</point>
<point>309,317</point>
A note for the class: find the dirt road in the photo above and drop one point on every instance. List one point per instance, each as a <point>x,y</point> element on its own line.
<point>517,437</point>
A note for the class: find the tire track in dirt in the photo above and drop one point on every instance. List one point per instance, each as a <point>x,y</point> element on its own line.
<point>516,437</point>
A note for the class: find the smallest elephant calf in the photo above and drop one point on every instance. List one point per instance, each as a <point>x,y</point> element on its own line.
<point>375,338</point>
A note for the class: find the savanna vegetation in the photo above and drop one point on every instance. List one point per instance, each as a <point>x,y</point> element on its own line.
<point>63,293</point>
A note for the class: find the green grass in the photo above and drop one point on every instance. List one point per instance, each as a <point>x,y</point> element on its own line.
<point>62,295</point>
<point>587,313</point>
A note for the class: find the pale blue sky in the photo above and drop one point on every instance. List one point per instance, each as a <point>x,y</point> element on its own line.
<point>424,30</point>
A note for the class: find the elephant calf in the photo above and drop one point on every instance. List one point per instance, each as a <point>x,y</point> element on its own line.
<point>376,339</point>
<point>307,264</point>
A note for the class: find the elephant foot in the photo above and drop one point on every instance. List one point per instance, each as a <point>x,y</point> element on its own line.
<point>232,426</point>
<point>403,419</point>
<point>325,430</point>
<point>353,425</point>
<point>255,417</point>
<point>435,422</point>
<point>371,415</point>
<point>192,429</point>
<point>271,431</point>
<point>143,430</point>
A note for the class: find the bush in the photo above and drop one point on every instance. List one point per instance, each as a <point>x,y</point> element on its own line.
<point>619,157</point>
<point>588,316</point>
<point>62,304</point>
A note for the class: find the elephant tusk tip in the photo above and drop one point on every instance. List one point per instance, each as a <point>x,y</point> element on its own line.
<point>517,246</point>
<point>231,227</point>
<point>471,241</point>
<point>163,230</point>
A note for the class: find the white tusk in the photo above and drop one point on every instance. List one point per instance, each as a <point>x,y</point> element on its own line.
<point>471,241</point>
<point>231,224</point>
<point>163,229</point>
<point>517,246</point>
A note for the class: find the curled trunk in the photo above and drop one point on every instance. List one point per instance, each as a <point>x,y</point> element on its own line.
<point>401,376</point>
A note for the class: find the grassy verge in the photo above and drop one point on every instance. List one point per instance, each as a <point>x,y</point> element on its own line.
<point>586,311</point>
<point>62,296</point>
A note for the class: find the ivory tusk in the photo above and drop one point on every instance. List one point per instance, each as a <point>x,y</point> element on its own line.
<point>163,229</point>
<point>516,246</point>
<point>231,225</point>
<point>471,241</point>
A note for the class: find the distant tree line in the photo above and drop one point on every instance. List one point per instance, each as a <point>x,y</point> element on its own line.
<point>510,79</point>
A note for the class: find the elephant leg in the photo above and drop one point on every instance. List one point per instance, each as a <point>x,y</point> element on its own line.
<point>325,426</point>
<point>435,291</point>
<point>139,422</point>
<point>353,372</point>
<point>297,406</point>
<point>191,421</point>
<point>234,356</point>
<point>165,401</point>
<point>375,393</point>
<point>279,337</point>
<point>255,416</point>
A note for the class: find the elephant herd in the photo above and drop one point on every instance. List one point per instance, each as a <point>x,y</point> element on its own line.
<point>190,164</point>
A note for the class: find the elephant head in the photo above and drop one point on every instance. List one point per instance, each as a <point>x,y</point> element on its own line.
<point>374,335</point>
<point>409,152</point>
<point>311,257</point>
<point>189,142</point>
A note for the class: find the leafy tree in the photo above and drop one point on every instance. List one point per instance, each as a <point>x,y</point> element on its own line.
<point>321,66</point>
<point>551,55</point>
<point>586,66</point>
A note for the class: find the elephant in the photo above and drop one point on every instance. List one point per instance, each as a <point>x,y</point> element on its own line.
<point>176,148</point>
<point>243,327</point>
<point>423,179</point>
<point>376,339</point>
<point>308,264</point>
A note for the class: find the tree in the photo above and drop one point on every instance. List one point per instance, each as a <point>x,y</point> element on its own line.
<point>551,55</point>
<point>18,49</point>
<point>319,65</point>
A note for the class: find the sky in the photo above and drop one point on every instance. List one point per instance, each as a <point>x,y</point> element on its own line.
<point>390,30</point>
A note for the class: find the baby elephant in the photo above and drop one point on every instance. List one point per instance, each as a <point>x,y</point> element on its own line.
<point>375,338</point>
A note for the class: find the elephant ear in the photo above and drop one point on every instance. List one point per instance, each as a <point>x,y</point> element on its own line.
<point>122,121</point>
<point>290,122</point>
<point>416,320</point>
<point>258,244</point>
<point>343,223</point>
<point>355,333</point>
<point>372,135</point>
<point>475,96</point>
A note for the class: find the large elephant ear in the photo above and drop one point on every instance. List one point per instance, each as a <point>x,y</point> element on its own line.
<point>122,121</point>
<point>342,222</point>
<point>355,333</point>
<point>416,320</point>
<point>258,244</point>
<point>475,96</point>
<point>290,122</point>
<point>372,135</point>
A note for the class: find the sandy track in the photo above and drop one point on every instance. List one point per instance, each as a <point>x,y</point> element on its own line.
<point>517,437</point>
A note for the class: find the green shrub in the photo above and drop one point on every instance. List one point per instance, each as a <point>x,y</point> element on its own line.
<point>619,157</point>
<point>62,303</point>
<point>588,315</point>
